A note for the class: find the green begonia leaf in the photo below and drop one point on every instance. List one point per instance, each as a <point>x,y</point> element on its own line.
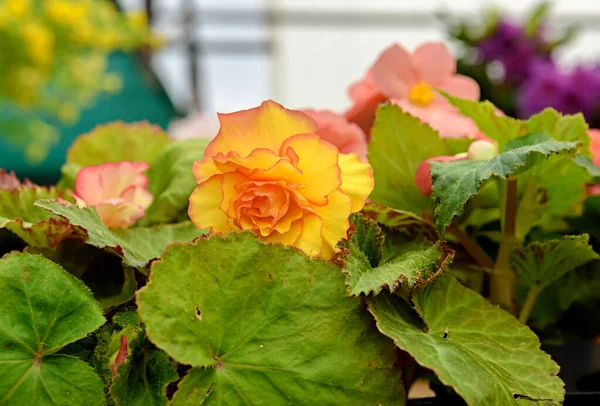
<point>115,142</point>
<point>402,221</point>
<point>35,226</point>
<point>143,376</point>
<point>171,180</point>
<point>263,323</point>
<point>400,143</point>
<point>454,183</point>
<point>44,309</point>
<point>137,246</point>
<point>502,129</point>
<point>481,351</point>
<point>415,262</point>
<point>540,264</point>
<point>578,286</point>
<point>368,237</point>
<point>587,164</point>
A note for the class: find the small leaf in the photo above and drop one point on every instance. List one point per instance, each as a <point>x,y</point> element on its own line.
<point>44,309</point>
<point>142,373</point>
<point>367,237</point>
<point>171,181</point>
<point>265,324</point>
<point>35,226</point>
<point>400,143</point>
<point>403,222</point>
<point>454,183</point>
<point>140,142</point>
<point>415,262</point>
<point>541,263</point>
<point>481,351</point>
<point>587,164</point>
<point>137,246</point>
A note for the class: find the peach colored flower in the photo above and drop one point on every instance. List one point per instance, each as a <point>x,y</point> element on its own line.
<point>335,129</point>
<point>423,174</point>
<point>268,171</point>
<point>410,80</point>
<point>595,145</point>
<point>117,190</point>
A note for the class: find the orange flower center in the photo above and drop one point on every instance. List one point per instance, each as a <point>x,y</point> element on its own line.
<point>421,94</point>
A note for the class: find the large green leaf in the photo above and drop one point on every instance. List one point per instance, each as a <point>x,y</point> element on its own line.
<point>137,246</point>
<point>503,129</point>
<point>539,264</point>
<point>171,180</point>
<point>140,142</point>
<point>400,143</point>
<point>35,226</point>
<point>481,351</point>
<point>43,309</point>
<point>454,183</point>
<point>263,323</point>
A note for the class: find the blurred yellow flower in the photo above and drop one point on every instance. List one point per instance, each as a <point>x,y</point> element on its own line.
<point>17,8</point>
<point>39,42</point>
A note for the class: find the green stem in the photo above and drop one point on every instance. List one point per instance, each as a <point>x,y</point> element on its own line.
<point>502,283</point>
<point>529,302</point>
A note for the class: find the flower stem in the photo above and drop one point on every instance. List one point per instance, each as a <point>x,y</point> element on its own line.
<point>502,281</point>
<point>529,302</point>
<point>472,248</point>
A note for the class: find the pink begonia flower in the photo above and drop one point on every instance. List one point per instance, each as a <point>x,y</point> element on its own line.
<point>423,175</point>
<point>595,145</point>
<point>195,125</point>
<point>118,191</point>
<point>410,80</point>
<point>335,129</point>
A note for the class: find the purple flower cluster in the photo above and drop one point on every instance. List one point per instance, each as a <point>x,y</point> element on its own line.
<point>514,49</point>
<point>569,92</point>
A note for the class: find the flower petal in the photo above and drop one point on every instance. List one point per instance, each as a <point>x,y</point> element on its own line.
<point>138,195</point>
<point>260,158</point>
<point>310,240</point>
<point>357,179</point>
<point>363,112</point>
<point>204,208</point>
<point>319,171</point>
<point>288,237</point>
<point>119,215</point>
<point>266,126</point>
<point>95,184</point>
<point>460,86</point>
<point>335,221</point>
<point>446,120</point>
<point>434,62</point>
<point>393,72</point>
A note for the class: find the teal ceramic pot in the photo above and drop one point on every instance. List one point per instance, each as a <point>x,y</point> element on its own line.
<point>142,98</point>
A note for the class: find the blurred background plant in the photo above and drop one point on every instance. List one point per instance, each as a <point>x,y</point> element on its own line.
<point>53,64</point>
<point>516,66</point>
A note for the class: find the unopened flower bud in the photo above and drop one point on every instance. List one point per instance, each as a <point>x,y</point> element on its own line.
<point>482,150</point>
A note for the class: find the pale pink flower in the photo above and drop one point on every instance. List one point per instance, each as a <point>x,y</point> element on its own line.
<point>335,129</point>
<point>195,125</point>
<point>595,145</point>
<point>117,190</point>
<point>410,81</point>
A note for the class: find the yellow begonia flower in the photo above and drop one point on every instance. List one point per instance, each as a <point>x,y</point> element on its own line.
<point>39,42</point>
<point>268,171</point>
<point>17,8</point>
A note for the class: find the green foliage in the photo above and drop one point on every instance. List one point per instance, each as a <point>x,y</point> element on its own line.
<point>171,180</point>
<point>481,351</point>
<point>262,323</point>
<point>399,144</point>
<point>401,221</point>
<point>43,309</point>
<point>586,162</point>
<point>454,183</point>
<point>35,226</point>
<point>540,264</point>
<point>137,246</point>
<point>503,129</point>
<point>368,237</point>
<point>141,142</point>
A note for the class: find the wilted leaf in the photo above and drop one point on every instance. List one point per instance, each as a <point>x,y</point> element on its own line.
<point>137,246</point>
<point>481,351</point>
<point>140,142</point>
<point>43,309</point>
<point>263,323</point>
